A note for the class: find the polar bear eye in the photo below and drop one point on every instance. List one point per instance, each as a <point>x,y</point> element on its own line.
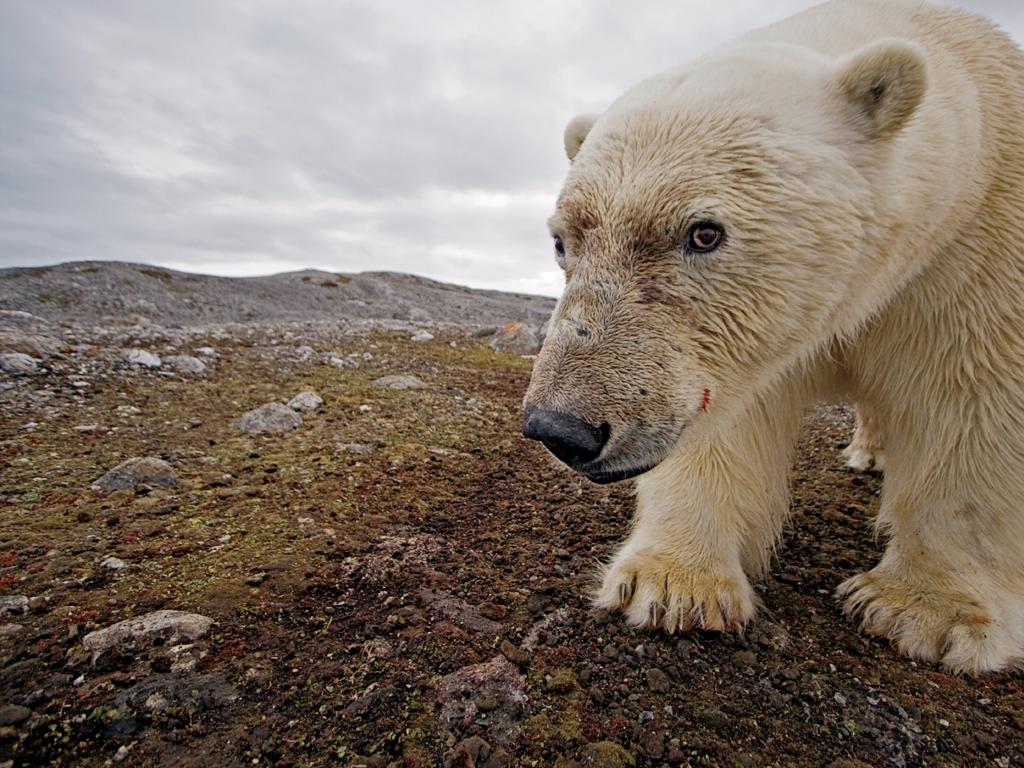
<point>704,237</point>
<point>559,250</point>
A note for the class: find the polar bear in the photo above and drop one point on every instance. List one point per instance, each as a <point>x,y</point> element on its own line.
<point>831,207</point>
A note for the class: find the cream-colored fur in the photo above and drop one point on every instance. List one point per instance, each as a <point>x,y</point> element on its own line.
<point>866,162</point>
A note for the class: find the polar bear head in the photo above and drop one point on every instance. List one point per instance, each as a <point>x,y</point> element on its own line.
<point>718,223</point>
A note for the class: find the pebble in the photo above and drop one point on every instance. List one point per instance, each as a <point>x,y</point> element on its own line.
<point>658,681</point>
<point>140,470</point>
<point>270,418</point>
<point>422,336</point>
<point>399,382</point>
<point>113,563</point>
<point>305,402</point>
<point>206,351</point>
<point>355,448</point>
<point>714,718</point>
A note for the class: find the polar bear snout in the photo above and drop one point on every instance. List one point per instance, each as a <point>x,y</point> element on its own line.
<point>569,438</point>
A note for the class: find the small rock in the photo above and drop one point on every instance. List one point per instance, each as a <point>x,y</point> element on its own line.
<point>18,362</point>
<point>305,352</point>
<point>355,448</point>
<point>605,754</point>
<point>658,681</point>
<point>10,630</point>
<point>156,702</point>
<point>113,563</point>
<point>142,357</point>
<point>468,752</point>
<point>12,714</point>
<point>305,402</point>
<point>422,336</point>
<point>144,470</point>
<point>745,659</point>
<point>269,418</point>
<point>186,364</point>
<point>172,626</point>
<point>399,382</point>
<point>255,579</point>
<point>206,352</point>
<point>714,718</point>
<point>495,687</point>
<point>517,338</point>
<point>13,604</point>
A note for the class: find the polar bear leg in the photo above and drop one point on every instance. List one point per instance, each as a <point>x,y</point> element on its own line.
<point>939,608</point>
<point>950,587</point>
<point>706,518</point>
<point>866,449</point>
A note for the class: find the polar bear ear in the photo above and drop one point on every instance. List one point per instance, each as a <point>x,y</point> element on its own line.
<point>576,131</point>
<point>885,82</point>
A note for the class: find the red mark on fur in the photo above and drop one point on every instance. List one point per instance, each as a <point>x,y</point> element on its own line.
<point>706,400</point>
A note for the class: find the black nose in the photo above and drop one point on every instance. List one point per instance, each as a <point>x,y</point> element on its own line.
<point>573,441</point>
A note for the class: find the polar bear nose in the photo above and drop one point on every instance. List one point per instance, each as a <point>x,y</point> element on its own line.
<point>571,439</point>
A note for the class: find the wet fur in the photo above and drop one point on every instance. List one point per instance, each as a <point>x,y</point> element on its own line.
<point>875,251</point>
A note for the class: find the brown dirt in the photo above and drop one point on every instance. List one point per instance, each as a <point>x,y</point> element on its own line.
<point>347,587</point>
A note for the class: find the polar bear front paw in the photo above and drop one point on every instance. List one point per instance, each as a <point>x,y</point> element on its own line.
<point>656,590</point>
<point>956,631</point>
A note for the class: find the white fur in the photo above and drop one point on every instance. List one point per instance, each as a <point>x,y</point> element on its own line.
<point>896,279</point>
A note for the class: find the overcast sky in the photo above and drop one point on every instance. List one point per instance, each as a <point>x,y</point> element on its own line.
<point>256,136</point>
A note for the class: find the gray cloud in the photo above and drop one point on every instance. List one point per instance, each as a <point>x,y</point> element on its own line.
<point>238,137</point>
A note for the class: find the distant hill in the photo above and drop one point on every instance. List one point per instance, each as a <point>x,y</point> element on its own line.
<point>94,291</point>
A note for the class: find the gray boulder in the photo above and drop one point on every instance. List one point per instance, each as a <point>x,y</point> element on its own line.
<point>185,363</point>
<point>305,402</point>
<point>516,338</point>
<point>142,357</point>
<point>141,470</point>
<point>269,418</point>
<point>18,362</point>
<point>399,382</point>
<point>170,626</point>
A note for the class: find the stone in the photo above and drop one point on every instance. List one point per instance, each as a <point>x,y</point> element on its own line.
<point>18,363</point>
<point>171,626</point>
<point>399,382</point>
<point>269,418</point>
<point>495,687</point>
<point>12,714</point>
<point>658,681</point>
<point>186,364</point>
<point>305,402</point>
<point>13,604</point>
<point>113,563</point>
<point>141,470</point>
<point>360,448</point>
<point>142,357</point>
<point>516,338</point>
<point>422,336</point>
<point>206,351</point>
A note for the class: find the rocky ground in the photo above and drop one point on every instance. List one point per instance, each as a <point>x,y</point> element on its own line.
<point>334,548</point>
